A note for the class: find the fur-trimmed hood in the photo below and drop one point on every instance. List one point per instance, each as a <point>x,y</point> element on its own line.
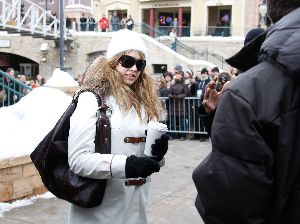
<point>96,77</point>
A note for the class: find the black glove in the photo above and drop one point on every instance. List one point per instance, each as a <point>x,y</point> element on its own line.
<point>140,167</point>
<point>160,148</point>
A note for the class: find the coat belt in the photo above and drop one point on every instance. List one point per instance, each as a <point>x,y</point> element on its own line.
<point>135,182</point>
<point>134,139</point>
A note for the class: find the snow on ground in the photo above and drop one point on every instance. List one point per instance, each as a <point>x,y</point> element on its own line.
<point>5,207</point>
<point>24,124</point>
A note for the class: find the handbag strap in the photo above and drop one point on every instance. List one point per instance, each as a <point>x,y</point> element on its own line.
<point>103,136</point>
<point>76,96</point>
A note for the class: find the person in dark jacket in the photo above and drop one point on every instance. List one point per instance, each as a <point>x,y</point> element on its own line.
<point>130,23</point>
<point>83,22</point>
<point>211,97</point>
<point>91,21</point>
<point>162,87</point>
<point>197,90</point>
<point>252,174</point>
<point>178,108</point>
<point>115,21</point>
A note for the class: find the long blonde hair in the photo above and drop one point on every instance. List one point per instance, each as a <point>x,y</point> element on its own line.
<point>103,78</point>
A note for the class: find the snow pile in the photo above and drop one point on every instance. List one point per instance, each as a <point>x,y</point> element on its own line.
<point>5,207</point>
<point>63,81</point>
<point>26,123</point>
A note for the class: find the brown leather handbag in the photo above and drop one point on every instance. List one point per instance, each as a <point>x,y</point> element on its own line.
<point>51,159</point>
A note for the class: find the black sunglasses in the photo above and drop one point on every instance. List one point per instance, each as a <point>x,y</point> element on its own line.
<point>128,61</point>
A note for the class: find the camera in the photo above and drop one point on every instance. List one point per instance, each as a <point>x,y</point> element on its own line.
<point>222,79</point>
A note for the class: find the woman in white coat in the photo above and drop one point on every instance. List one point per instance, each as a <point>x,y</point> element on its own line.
<point>130,94</point>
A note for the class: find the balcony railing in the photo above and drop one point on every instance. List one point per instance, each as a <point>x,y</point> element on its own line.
<point>188,31</point>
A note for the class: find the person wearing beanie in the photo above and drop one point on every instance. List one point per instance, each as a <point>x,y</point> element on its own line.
<point>122,80</point>
<point>189,78</point>
<point>178,68</point>
<point>252,174</point>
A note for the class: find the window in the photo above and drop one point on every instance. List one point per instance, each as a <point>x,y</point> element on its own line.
<point>159,69</point>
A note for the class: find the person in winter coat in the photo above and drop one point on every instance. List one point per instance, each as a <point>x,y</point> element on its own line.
<point>211,97</point>
<point>130,23</point>
<point>173,39</point>
<point>115,21</point>
<point>121,77</point>
<point>252,174</point>
<point>83,22</point>
<point>178,110</point>
<point>91,21</point>
<point>103,23</point>
<point>197,90</point>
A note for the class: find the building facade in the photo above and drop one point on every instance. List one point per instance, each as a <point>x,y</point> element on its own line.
<point>73,9</point>
<point>195,17</point>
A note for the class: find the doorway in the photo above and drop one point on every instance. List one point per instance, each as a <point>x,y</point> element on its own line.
<point>219,20</point>
<point>19,63</point>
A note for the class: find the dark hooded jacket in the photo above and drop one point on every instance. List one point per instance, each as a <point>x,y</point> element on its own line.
<point>252,175</point>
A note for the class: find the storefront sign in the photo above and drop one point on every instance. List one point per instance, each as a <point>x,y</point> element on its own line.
<point>4,43</point>
<point>165,4</point>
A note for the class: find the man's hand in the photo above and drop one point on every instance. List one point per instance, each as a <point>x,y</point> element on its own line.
<point>212,96</point>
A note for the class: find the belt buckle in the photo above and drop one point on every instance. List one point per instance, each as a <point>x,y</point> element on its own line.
<point>135,182</point>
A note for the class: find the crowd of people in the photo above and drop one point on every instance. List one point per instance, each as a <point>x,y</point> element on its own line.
<point>179,112</point>
<point>113,23</point>
<point>15,91</point>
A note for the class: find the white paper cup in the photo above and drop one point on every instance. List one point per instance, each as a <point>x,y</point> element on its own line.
<point>152,135</point>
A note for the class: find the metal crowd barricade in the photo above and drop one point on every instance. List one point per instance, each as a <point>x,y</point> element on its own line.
<point>181,115</point>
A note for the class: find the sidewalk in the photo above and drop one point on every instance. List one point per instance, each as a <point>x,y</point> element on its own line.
<point>171,199</point>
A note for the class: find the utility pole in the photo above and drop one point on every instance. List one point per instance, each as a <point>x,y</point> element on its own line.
<point>61,28</point>
<point>46,5</point>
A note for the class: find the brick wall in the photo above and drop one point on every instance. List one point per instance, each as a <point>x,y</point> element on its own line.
<point>19,179</point>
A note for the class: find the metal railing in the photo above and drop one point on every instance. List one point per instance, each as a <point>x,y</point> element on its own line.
<point>185,31</point>
<point>11,90</point>
<point>182,48</point>
<point>181,115</point>
<point>30,20</point>
<point>223,31</point>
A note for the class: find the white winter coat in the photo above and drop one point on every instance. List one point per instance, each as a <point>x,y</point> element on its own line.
<point>121,204</point>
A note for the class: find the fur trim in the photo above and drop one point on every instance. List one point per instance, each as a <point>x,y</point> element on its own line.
<point>96,77</point>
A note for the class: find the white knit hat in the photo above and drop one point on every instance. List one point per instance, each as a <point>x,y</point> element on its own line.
<point>124,40</point>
